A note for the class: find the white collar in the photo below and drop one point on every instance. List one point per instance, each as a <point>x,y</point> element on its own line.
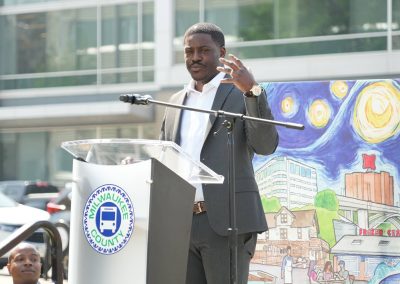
<point>214,83</point>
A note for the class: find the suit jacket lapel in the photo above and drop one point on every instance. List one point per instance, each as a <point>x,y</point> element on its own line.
<point>176,115</point>
<point>220,97</point>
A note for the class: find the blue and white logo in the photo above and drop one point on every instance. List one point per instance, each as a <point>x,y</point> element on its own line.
<point>108,219</point>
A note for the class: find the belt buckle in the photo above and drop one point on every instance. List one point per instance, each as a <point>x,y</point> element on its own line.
<point>199,207</point>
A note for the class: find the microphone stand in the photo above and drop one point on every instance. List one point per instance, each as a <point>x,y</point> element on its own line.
<point>136,99</point>
<point>232,230</point>
<point>229,124</point>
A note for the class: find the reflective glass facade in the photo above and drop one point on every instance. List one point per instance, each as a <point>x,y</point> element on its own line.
<point>83,46</point>
<point>37,154</point>
<point>22,2</point>
<point>270,28</point>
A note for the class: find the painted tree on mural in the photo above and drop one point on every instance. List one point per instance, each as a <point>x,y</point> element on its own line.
<point>271,204</point>
<point>327,206</point>
<point>327,199</point>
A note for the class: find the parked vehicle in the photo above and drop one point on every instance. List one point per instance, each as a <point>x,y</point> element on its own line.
<point>31,193</point>
<point>12,216</point>
<point>62,202</point>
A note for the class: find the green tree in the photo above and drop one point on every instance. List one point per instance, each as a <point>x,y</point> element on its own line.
<point>386,226</point>
<point>325,223</point>
<point>270,204</point>
<point>327,199</point>
<point>327,207</point>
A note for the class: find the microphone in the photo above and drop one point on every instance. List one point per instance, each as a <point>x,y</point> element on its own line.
<point>135,99</point>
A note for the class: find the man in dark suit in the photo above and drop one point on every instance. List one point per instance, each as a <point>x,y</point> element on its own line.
<point>220,84</point>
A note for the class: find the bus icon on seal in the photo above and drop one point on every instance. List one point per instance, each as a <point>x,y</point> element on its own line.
<point>108,218</point>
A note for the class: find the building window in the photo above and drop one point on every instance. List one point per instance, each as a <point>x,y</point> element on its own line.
<point>291,27</point>
<point>284,218</point>
<point>283,234</point>
<point>21,2</point>
<point>299,233</point>
<point>78,46</point>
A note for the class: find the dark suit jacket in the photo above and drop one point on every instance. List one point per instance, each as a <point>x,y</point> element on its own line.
<point>250,138</point>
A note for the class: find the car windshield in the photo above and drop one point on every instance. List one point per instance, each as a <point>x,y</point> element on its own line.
<point>6,201</point>
<point>40,187</point>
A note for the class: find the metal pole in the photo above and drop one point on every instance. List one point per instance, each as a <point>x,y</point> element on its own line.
<point>232,230</point>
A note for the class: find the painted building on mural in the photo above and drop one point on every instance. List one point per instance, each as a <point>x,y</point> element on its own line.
<point>368,258</point>
<point>376,187</point>
<point>292,182</point>
<point>371,185</point>
<point>297,229</point>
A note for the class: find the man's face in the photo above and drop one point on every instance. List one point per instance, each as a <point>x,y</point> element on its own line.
<point>202,57</point>
<point>25,266</point>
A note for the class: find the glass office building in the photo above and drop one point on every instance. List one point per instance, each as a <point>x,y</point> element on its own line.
<point>63,63</point>
<point>292,182</point>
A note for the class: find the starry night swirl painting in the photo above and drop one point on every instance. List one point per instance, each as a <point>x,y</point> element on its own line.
<point>334,184</point>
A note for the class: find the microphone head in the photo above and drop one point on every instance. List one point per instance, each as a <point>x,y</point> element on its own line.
<point>135,99</point>
<point>124,98</point>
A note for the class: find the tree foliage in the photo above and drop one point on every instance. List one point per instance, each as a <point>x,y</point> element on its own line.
<point>325,222</point>
<point>270,205</point>
<point>327,199</point>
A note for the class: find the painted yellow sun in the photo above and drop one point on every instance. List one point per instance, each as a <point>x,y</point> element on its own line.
<point>377,112</point>
<point>319,113</point>
<point>289,106</point>
<point>339,89</point>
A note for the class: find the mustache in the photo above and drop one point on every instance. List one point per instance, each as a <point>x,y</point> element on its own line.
<point>196,63</point>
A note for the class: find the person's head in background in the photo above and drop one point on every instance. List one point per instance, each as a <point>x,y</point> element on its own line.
<point>24,264</point>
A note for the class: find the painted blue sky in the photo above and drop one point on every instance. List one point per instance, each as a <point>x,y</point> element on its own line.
<point>363,119</point>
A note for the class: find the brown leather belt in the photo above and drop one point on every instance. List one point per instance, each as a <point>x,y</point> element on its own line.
<point>199,207</point>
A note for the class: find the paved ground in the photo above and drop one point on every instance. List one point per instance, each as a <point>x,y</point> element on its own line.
<point>6,279</point>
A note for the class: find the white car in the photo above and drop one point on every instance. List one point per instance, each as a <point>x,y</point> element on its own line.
<point>12,216</point>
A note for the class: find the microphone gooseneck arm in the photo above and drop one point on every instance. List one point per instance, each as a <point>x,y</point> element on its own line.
<point>147,99</point>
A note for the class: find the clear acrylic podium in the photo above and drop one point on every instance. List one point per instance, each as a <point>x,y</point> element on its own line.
<point>131,210</point>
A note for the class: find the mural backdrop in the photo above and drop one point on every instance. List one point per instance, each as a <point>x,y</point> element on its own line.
<point>331,191</point>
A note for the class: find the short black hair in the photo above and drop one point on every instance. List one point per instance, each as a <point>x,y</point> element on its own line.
<point>21,246</point>
<point>213,30</point>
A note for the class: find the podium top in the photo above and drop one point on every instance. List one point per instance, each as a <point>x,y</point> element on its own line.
<point>129,151</point>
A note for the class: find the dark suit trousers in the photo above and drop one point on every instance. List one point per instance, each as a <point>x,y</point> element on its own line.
<point>208,261</point>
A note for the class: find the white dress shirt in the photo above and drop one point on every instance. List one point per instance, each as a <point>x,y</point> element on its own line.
<point>193,125</point>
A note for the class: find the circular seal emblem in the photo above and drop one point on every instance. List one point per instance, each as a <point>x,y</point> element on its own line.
<point>108,219</point>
